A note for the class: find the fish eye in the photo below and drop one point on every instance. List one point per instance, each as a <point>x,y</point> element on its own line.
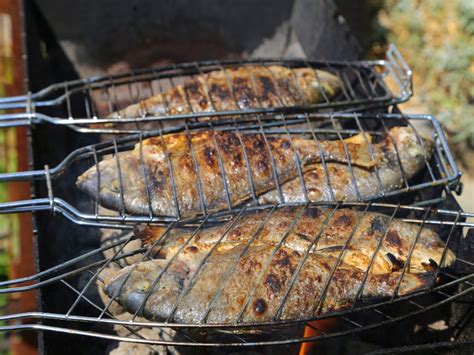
<point>142,286</point>
<point>315,85</point>
<point>114,186</point>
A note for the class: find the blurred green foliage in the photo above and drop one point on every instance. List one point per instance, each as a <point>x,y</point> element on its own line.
<point>437,39</point>
<point>4,229</point>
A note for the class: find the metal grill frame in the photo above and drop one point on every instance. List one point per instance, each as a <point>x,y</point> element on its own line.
<point>445,174</point>
<point>452,221</point>
<point>60,95</point>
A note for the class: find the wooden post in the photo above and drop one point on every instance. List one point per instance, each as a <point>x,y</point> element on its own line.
<point>21,256</point>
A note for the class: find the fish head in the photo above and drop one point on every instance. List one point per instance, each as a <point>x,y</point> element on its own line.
<point>146,289</point>
<point>131,285</point>
<point>101,182</point>
<point>115,187</point>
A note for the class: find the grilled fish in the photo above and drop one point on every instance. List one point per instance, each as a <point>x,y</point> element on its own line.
<point>251,288</point>
<point>316,230</point>
<point>241,88</point>
<point>195,162</point>
<point>405,155</point>
<point>207,165</point>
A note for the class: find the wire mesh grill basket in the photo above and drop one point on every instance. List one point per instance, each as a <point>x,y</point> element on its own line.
<point>59,192</point>
<point>187,91</point>
<point>447,283</point>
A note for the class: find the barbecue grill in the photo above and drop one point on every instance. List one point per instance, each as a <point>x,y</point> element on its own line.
<point>442,170</point>
<point>457,284</point>
<point>79,244</point>
<point>364,86</point>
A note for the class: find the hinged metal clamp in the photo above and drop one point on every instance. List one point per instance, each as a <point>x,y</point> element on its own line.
<point>50,188</point>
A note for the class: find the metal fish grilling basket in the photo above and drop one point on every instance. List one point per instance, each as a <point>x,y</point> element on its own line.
<point>223,205</point>
<point>60,195</point>
<point>98,104</point>
<point>88,314</point>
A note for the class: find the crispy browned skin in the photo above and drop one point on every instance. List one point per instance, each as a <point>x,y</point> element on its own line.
<point>338,184</point>
<point>241,88</point>
<point>328,230</point>
<point>199,160</point>
<point>250,288</point>
<point>214,156</point>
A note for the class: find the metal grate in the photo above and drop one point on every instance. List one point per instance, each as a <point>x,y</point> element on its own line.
<point>455,282</point>
<point>440,170</point>
<point>88,103</point>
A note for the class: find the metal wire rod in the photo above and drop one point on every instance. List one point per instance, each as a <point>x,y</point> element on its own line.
<point>364,80</point>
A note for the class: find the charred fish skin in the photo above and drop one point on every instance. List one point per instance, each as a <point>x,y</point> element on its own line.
<point>343,288</point>
<point>306,298</point>
<point>220,162</point>
<point>231,168</point>
<point>254,289</point>
<point>405,155</point>
<point>318,230</point>
<point>240,88</point>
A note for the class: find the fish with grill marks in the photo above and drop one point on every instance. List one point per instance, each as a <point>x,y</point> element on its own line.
<point>206,171</point>
<point>405,154</point>
<point>315,230</point>
<point>240,88</point>
<point>253,285</point>
<point>199,161</point>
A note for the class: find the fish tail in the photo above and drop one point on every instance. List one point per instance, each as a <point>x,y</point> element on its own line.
<point>416,282</point>
<point>386,285</point>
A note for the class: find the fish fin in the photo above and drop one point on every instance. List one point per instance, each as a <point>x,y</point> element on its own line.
<point>449,259</point>
<point>360,139</point>
<point>353,149</point>
<point>358,149</point>
<point>416,282</point>
<point>148,234</point>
